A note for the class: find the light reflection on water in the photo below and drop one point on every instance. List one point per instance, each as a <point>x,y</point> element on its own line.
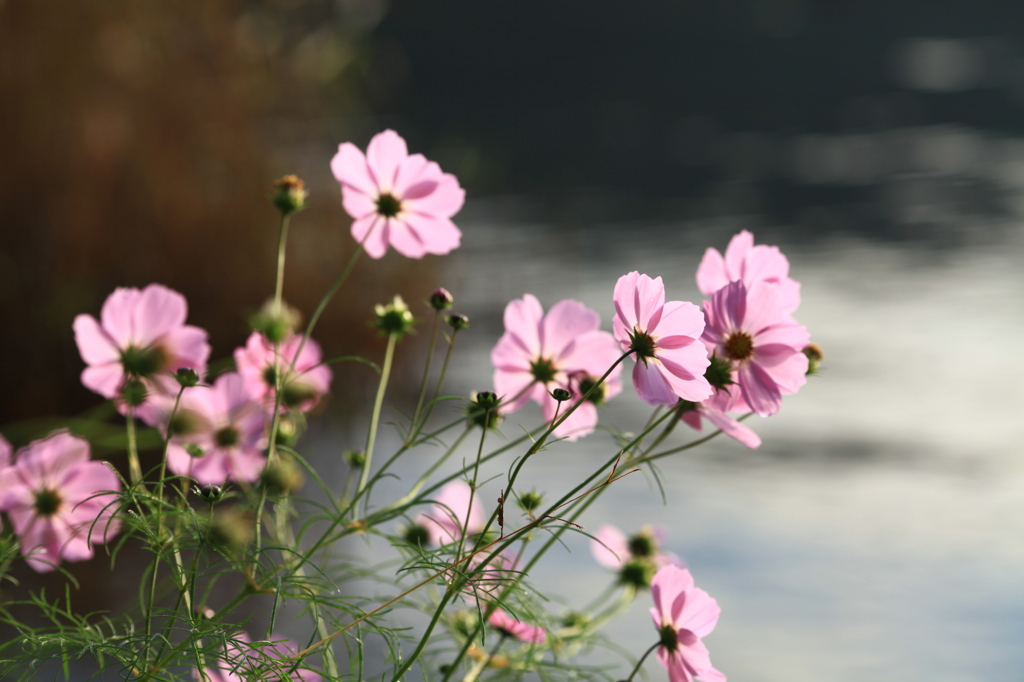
<point>877,533</point>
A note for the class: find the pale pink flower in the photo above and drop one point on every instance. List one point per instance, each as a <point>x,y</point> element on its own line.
<point>683,614</point>
<point>563,349</point>
<point>749,264</point>
<point>452,513</point>
<point>396,199</point>
<point>615,550</point>
<point>751,328</point>
<point>140,335</point>
<point>304,385</point>
<point>670,363</point>
<point>59,502</point>
<point>5,452</point>
<point>715,409</point>
<point>243,660</point>
<point>506,624</point>
<point>223,424</point>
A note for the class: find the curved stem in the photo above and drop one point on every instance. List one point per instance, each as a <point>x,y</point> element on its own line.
<point>641,661</point>
<point>440,380</point>
<point>134,468</point>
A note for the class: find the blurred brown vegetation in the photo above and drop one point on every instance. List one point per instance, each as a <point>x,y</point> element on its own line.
<point>140,141</point>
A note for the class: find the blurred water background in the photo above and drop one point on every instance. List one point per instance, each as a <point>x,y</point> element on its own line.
<point>877,533</point>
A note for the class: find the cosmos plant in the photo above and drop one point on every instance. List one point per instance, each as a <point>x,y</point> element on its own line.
<point>248,560</point>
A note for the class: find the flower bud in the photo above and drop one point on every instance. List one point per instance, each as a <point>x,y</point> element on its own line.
<point>719,372</point>
<point>638,572</point>
<point>231,529</point>
<point>210,493</point>
<point>134,393</point>
<point>276,322</point>
<point>599,393</point>
<point>291,194</point>
<point>187,377</point>
<point>530,501</point>
<point>394,318</point>
<point>560,394</point>
<point>194,450</point>
<point>354,458</point>
<point>417,536</point>
<point>457,321</point>
<point>814,357</point>
<point>441,299</point>
<point>283,476</point>
<point>483,409</point>
<point>289,427</point>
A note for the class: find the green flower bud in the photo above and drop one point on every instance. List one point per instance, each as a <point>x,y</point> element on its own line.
<point>638,572</point>
<point>187,377</point>
<point>231,528</point>
<point>561,394</point>
<point>719,373</point>
<point>134,393</point>
<point>354,458</point>
<point>457,321</point>
<point>417,536</point>
<point>394,318</point>
<point>276,323</point>
<point>814,357</point>
<point>283,476</point>
<point>441,299</point>
<point>210,493</point>
<point>194,450</point>
<point>483,410</point>
<point>291,194</point>
<point>530,501</point>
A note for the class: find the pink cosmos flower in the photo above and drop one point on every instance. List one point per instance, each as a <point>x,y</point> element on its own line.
<point>613,549</point>
<point>224,427</point>
<point>683,614</point>
<point>304,385</point>
<point>749,264</point>
<point>670,363</point>
<point>140,335</point>
<point>715,409</point>
<point>59,502</point>
<point>507,625</point>
<point>269,661</point>
<point>5,452</point>
<point>396,199</point>
<point>563,349</point>
<point>751,328</point>
<point>445,523</point>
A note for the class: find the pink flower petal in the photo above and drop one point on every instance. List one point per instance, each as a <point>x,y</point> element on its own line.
<point>610,547</point>
<point>444,201</point>
<point>651,385</point>
<point>103,379</point>
<point>564,322</point>
<point>438,234</point>
<point>94,345</point>
<point>522,323</point>
<point>406,240</point>
<point>157,311</point>
<point>711,273</point>
<point>371,231</point>
<point>350,169</point>
<point>118,316</point>
<point>384,154</point>
<point>759,390</point>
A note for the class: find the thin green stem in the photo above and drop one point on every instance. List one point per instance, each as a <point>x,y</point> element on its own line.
<point>371,437</point>
<point>426,376</point>
<point>473,485</point>
<point>282,240</point>
<point>440,380</point>
<point>482,663</point>
<point>641,662</point>
<point>134,468</point>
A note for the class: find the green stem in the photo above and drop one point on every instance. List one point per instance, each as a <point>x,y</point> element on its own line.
<point>134,468</point>
<point>323,304</point>
<point>641,662</point>
<point>282,239</point>
<point>472,486</point>
<point>371,437</point>
<point>482,663</point>
<point>444,373</point>
<point>426,375</point>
